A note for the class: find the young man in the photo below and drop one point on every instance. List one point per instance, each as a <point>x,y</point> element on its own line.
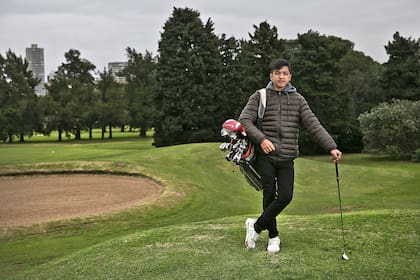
<point>276,142</point>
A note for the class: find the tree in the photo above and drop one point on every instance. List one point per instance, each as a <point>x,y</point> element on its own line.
<point>141,86</point>
<point>188,104</point>
<point>111,108</point>
<point>318,72</point>
<point>359,80</point>
<point>256,54</point>
<point>392,128</point>
<point>230,78</point>
<point>19,115</point>
<point>71,95</point>
<point>401,77</point>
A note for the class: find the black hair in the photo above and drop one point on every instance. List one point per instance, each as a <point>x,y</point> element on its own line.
<point>279,63</point>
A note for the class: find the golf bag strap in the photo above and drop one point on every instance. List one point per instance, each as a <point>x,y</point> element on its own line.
<point>261,107</point>
<point>262,103</point>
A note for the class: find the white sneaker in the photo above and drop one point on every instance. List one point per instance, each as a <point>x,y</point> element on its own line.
<point>273,245</point>
<point>251,234</point>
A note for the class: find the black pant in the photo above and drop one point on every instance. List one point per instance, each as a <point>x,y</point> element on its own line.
<point>277,179</point>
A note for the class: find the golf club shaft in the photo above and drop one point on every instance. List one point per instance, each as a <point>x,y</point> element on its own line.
<point>339,202</point>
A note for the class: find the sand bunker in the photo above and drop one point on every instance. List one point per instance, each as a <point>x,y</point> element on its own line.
<point>26,200</point>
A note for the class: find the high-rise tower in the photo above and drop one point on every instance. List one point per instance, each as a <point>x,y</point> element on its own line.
<point>35,58</point>
<point>116,68</point>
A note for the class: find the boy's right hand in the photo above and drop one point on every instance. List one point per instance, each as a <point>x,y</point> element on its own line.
<point>267,146</point>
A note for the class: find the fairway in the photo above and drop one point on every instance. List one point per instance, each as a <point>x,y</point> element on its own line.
<point>195,229</point>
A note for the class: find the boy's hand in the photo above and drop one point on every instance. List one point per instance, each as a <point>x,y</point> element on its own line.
<point>267,146</point>
<point>336,154</point>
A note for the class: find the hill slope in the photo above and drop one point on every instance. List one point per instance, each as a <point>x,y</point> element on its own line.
<point>382,245</point>
<point>172,238</point>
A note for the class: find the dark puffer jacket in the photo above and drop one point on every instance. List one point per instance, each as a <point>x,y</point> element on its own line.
<point>285,112</point>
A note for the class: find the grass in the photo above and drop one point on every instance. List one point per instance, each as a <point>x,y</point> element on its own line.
<point>195,229</point>
<point>213,249</point>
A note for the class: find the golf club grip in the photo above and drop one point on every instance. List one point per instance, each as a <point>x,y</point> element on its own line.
<point>336,170</point>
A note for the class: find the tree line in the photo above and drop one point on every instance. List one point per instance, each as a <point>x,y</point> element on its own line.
<point>200,79</point>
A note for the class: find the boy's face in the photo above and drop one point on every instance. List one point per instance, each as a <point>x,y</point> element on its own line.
<point>280,78</point>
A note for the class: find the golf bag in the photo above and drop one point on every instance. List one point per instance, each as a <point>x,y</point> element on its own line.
<point>241,149</point>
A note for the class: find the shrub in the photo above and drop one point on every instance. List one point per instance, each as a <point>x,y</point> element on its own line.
<point>416,156</point>
<point>392,128</point>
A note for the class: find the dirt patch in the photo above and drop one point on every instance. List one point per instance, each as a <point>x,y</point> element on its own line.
<point>26,200</point>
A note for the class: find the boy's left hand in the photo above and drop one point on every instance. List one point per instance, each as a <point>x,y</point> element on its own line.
<point>336,154</point>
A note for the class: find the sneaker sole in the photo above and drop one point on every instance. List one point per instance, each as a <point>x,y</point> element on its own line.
<point>273,252</point>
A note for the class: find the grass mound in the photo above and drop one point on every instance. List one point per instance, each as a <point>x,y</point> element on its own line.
<point>195,230</point>
<point>311,249</point>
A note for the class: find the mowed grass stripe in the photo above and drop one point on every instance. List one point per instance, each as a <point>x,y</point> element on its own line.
<point>311,249</point>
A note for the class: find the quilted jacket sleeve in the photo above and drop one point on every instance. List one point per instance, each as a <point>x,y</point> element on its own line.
<point>248,119</point>
<point>312,125</point>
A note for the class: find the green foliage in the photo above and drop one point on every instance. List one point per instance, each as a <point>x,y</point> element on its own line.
<point>198,80</point>
<point>360,81</point>
<point>141,87</point>
<point>416,156</point>
<point>392,128</point>
<point>187,101</point>
<point>19,112</point>
<point>71,96</point>
<point>111,106</point>
<point>401,77</point>
<point>230,78</point>
<point>318,70</point>
<point>255,56</point>
<point>361,78</point>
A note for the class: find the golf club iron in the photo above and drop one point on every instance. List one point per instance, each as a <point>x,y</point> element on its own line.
<point>344,256</point>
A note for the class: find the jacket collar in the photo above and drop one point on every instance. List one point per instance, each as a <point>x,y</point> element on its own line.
<point>288,89</point>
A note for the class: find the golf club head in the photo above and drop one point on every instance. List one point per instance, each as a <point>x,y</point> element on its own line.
<point>345,257</point>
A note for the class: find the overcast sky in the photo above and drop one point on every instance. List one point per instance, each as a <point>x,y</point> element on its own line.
<point>102,29</point>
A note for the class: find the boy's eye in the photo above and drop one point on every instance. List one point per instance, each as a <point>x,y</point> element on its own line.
<point>284,73</point>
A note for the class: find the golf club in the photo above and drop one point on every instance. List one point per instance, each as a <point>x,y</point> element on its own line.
<point>344,256</point>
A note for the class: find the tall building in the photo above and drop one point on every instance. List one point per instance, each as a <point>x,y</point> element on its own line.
<point>35,58</point>
<point>116,68</point>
